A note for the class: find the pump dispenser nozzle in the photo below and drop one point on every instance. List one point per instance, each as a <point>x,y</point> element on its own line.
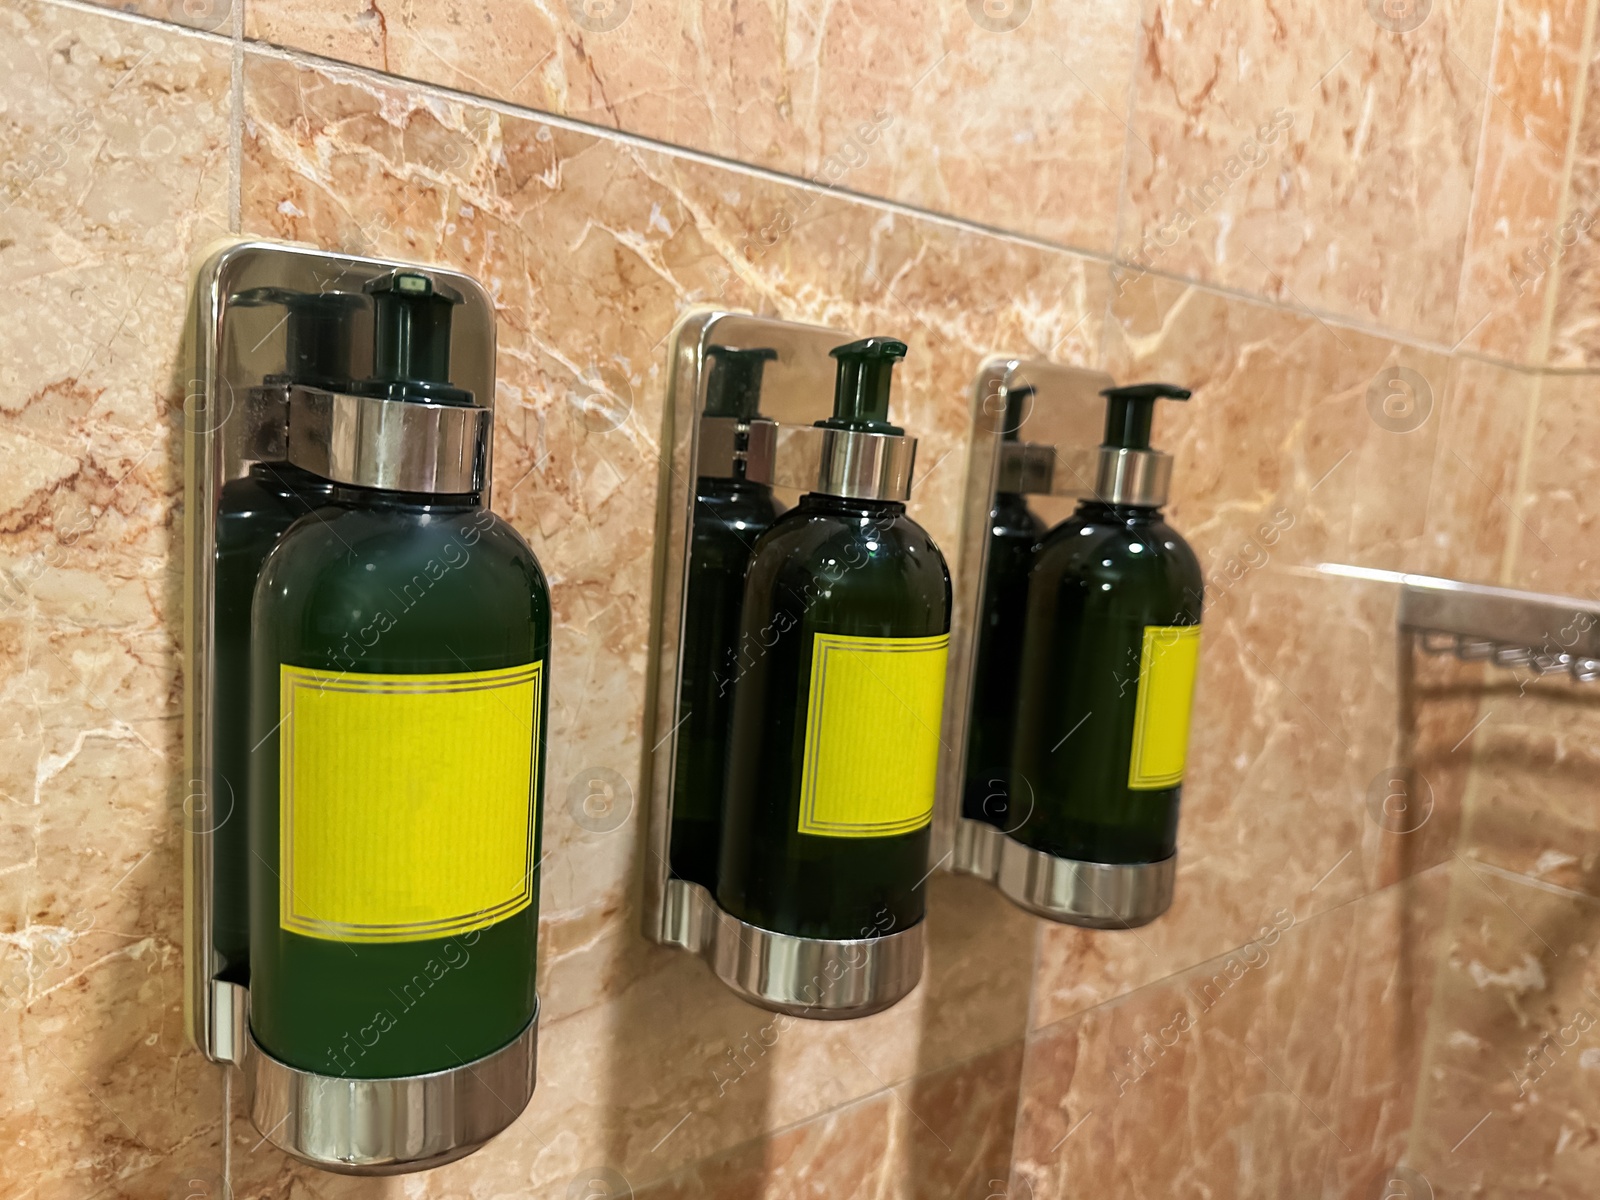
<point>861,392</point>
<point>316,332</point>
<point>1129,409</point>
<point>411,339</point>
<point>405,427</point>
<point>734,386</point>
<point>1129,471</point>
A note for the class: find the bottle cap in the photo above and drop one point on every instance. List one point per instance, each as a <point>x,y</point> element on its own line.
<point>1130,472</point>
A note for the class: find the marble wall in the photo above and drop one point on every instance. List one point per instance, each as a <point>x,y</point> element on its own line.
<point>1285,208</point>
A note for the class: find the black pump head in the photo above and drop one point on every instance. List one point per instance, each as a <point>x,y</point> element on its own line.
<point>861,390</point>
<point>411,338</point>
<point>734,387</point>
<point>1129,409</point>
<point>317,332</point>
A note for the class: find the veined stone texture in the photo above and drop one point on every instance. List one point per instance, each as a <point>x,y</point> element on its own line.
<point>1287,208</point>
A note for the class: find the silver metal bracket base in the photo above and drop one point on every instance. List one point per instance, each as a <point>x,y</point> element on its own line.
<point>1096,895</point>
<point>815,978</point>
<point>389,1126</point>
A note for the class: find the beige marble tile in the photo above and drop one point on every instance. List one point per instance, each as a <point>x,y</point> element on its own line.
<point>1473,523</point>
<point>1216,1081</point>
<point>936,105</point>
<point>1306,442</point>
<point>1264,1072</point>
<point>947,1134</point>
<point>1297,729</point>
<point>1396,936</point>
<point>1556,549</point>
<point>207,16</point>
<point>1307,153</point>
<point>848,1153</point>
<point>1530,808</point>
<point>1517,230</point>
<point>1575,321</point>
<point>1506,1101</point>
<point>115,141</point>
<point>593,247</point>
<point>1283,460</point>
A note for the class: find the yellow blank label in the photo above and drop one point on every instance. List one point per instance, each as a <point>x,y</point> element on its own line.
<point>872,735</point>
<point>1166,696</point>
<point>406,802</point>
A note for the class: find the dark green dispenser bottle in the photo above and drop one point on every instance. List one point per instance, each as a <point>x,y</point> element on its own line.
<point>400,661</point>
<point>1014,533</point>
<point>1109,656</point>
<point>729,515</point>
<point>252,514</point>
<point>845,634</point>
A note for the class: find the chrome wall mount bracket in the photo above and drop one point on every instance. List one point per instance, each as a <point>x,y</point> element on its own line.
<point>1055,451</point>
<point>238,409</point>
<point>803,977</point>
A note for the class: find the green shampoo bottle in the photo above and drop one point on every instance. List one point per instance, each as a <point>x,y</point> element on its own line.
<point>835,744</point>
<point>253,512</point>
<point>400,652</point>
<point>1110,650</point>
<point>730,513</point>
<point>1014,533</point>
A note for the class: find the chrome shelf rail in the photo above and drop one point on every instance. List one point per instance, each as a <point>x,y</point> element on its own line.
<point>1508,628</point>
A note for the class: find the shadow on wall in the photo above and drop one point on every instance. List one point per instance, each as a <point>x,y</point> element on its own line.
<point>924,1093</point>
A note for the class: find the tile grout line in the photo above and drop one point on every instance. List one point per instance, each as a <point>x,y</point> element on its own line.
<point>1484,123</point>
<point>1513,548</point>
<point>1525,452</point>
<point>1129,102</point>
<point>1545,334</point>
<point>1027,1042</point>
<point>310,61</point>
<point>235,225</point>
<point>90,9</point>
<point>1426,1052</point>
<point>227,1132</point>
<point>236,118</point>
<point>235,222</point>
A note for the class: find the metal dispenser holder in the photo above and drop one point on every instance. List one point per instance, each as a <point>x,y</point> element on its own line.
<point>803,977</point>
<point>244,405</point>
<point>1056,454</point>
